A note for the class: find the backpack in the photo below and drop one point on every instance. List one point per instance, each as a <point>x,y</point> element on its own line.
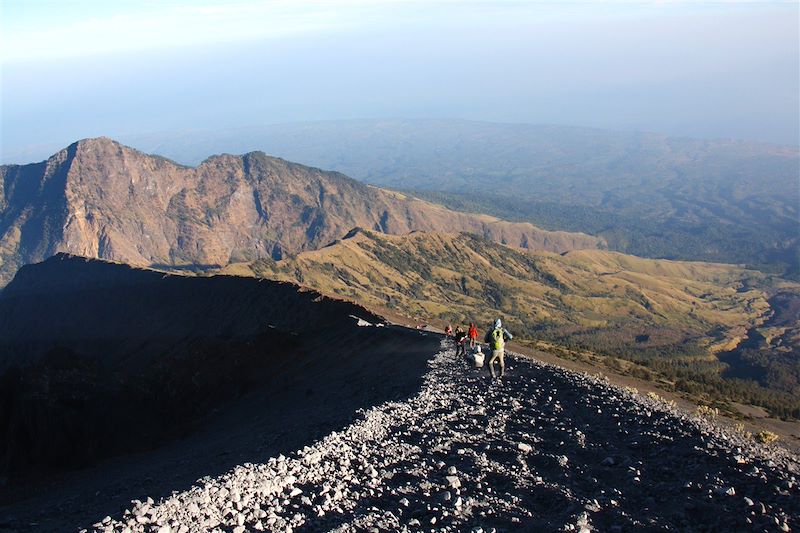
<point>497,339</point>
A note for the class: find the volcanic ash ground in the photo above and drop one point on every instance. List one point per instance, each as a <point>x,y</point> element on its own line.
<point>541,449</point>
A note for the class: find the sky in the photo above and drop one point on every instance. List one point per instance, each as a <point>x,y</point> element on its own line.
<point>76,69</point>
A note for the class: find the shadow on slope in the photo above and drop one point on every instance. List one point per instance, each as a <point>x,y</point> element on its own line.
<point>164,379</point>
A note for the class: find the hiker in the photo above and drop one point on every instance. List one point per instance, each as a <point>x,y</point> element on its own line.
<point>448,331</point>
<point>473,335</point>
<point>477,357</point>
<point>496,338</point>
<point>461,342</point>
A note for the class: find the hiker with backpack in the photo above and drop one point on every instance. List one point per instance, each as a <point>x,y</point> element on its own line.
<point>461,342</point>
<point>496,339</point>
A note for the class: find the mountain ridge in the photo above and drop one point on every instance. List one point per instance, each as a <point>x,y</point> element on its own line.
<point>99,198</point>
<point>646,194</point>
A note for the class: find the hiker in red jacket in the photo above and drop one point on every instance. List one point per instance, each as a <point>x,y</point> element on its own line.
<point>473,334</point>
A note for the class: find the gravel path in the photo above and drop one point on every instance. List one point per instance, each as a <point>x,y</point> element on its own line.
<point>541,449</point>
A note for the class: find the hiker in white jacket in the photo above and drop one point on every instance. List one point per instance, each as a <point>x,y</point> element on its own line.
<point>477,357</point>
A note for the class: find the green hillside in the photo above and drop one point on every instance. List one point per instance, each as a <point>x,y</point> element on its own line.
<point>672,320</point>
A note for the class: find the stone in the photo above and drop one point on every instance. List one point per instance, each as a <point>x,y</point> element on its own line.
<point>593,506</point>
<point>525,448</point>
<point>453,481</point>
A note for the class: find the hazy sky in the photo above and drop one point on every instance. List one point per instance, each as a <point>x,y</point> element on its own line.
<point>77,69</point>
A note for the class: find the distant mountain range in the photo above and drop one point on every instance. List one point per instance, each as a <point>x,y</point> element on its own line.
<point>646,194</point>
<point>98,198</point>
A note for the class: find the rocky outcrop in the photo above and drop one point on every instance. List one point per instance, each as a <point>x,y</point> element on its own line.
<point>98,198</point>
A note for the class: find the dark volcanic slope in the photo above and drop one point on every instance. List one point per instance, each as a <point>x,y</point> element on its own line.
<point>109,313</point>
<point>98,198</point>
<point>101,359</point>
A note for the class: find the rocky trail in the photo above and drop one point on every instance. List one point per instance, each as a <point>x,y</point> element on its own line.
<point>543,449</point>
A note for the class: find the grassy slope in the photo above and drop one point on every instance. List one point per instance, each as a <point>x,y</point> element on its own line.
<point>672,317</point>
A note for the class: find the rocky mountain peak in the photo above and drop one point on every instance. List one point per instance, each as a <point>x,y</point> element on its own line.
<point>98,142</point>
<point>99,198</point>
